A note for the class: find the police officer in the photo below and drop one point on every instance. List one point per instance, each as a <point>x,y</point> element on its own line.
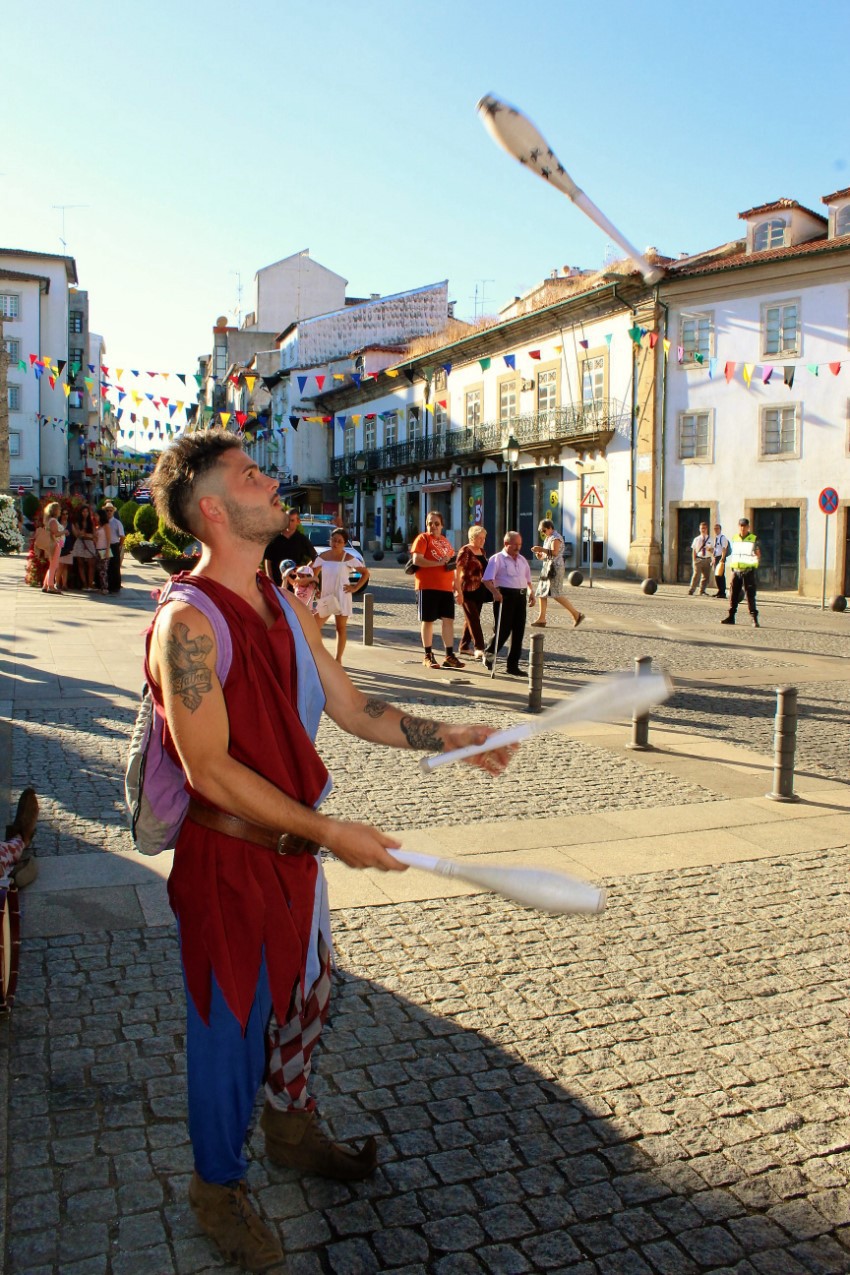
<point>743,559</point>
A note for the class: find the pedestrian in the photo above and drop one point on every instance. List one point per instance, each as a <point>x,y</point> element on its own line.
<point>101,540</point>
<point>551,582</point>
<point>702,554</point>
<point>246,884</point>
<point>291,543</point>
<point>434,559</point>
<point>306,587</point>
<point>337,568</point>
<point>56,531</point>
<point>116,548</point>
<point>471,592</point>
<point>84,552</point>
<point>508,577</point>
<point>721,552</point>
<point>743,560</point>
<point>66,557</point>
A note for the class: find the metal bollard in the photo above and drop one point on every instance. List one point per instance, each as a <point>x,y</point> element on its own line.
<point>535,672</point>
<point>784,744</point>
<point>640,722</point>
<point>368,618</point>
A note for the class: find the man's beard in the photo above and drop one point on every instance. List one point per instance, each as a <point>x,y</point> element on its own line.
<point>257,526</point>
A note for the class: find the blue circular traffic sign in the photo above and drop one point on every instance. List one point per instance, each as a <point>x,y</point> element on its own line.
<point>828,500</point>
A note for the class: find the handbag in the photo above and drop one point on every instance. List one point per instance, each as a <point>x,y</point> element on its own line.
<point>328,606</point>
<point>43,541</point>
<point>720,569</point>
<point>410,567</point>
<point>548,569</point>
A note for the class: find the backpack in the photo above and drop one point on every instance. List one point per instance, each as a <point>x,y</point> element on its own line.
<point>154,785</point>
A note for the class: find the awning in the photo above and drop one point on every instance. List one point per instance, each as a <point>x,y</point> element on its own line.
<point>431,487</point>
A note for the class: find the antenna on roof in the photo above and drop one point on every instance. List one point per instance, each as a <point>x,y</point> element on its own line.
<point>238,274</point>
<point>62,208</point>
<point>483,283</point>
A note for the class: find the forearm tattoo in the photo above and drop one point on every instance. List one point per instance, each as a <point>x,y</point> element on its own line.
<point>421,733</point>
<point>375,707</point>
<point>186,659</point>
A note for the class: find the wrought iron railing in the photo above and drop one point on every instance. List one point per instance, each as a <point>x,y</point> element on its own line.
<point>535,429</point>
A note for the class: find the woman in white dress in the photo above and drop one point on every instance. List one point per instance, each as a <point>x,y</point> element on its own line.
<point>551,552</point>
<point>337,567</point>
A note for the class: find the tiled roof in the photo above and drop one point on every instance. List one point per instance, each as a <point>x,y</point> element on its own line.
<point>836,194</point>
<point>739,259</point>
<point>29,278</point>
<point>780,205</point>
<point>70,263</point>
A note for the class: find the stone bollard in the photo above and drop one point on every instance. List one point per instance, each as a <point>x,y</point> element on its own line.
<point>368,618</point>
<point>535,672</point>
<point>784,744</point>
<point>640,721</point>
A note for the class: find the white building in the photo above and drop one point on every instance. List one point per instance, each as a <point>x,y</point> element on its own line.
<point>757,394</point>
<point>291,289</point>
<point>34,309</point>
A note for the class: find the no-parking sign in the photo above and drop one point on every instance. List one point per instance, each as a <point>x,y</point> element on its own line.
<point>828,500</point>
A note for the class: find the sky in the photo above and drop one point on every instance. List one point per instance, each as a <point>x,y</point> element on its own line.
<point>204,140</point>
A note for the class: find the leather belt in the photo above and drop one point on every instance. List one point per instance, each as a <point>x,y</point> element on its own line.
<point>256,833</point>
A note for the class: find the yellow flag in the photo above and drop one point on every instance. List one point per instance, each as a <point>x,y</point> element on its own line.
<point>67,390</point>
<point>179,406</point>
<point>224,418</point>
<point>339,376</point>
<point>119,372</point>
<point>429,407</point>
<point>666,347</point>
<point>559,349</point>
<point>356,420</point>
<point>137,398</point>
<point>748,373</point>
<point>390,372</point>
<point>250,381</point>
<point>164,375</point>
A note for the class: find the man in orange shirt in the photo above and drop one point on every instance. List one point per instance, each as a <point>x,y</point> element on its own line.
<point>434,557</point>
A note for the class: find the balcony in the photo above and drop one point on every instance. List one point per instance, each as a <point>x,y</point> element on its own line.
<point>580,426</point>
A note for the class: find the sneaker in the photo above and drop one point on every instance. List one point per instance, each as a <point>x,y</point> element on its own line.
<point>451,661</point>
<point>730,619</point>
<point>479,655</point>
<point>226,1215</point>
<point>430,661</point>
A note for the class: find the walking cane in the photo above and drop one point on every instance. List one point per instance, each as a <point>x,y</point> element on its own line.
<point>496,639</point>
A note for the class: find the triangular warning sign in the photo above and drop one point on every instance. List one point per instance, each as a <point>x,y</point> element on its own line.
<point>592,500</point>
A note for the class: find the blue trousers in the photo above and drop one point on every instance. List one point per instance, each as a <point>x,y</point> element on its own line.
<point>224,1070</point>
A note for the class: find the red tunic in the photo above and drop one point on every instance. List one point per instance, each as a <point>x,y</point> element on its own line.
<point>233,899</point>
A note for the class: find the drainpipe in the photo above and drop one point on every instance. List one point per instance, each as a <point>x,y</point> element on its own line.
<point>632,430</point>
<point>662,485</point>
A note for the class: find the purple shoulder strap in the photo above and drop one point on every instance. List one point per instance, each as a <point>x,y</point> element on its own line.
<point>201,601</point>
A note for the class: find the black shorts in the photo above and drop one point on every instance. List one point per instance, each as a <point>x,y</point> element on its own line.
<point>435,604</point>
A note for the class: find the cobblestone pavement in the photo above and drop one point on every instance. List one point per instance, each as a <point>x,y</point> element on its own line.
<point>661,1089</point>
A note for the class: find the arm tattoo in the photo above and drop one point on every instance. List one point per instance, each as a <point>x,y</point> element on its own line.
<point>422,734</point>
<point>375,707</point>
<point>186,658</point>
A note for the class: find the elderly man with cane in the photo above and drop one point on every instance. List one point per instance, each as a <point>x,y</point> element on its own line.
<point>508,577</point>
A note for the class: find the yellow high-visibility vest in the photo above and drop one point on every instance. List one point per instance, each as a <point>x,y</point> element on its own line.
<point>742,553</point>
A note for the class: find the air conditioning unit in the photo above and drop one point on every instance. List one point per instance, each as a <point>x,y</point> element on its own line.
<point>51,481</point>
<point>21,482</point>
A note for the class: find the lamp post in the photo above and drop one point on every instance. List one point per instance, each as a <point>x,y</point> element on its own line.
<point>510,455</point>
<point>359,465</point>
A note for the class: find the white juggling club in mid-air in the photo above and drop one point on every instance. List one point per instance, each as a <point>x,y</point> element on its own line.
<point>605,700</point>
<point>516,134</point>
<point>539,888</point>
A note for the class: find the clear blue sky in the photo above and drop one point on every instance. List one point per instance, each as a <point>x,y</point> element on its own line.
<point>208,138</point>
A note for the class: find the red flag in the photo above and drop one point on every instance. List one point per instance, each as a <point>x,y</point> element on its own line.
<point>320,380</point>
<point>52,380</point>
<point>653,340</point>
<point>33,358</point>
<point>534,354</point>
<point>165,401</point>
<point>835,368</point>
<point>241,418</point>
<point>730,372</point>
<point>441,402</point>
<point>104,370</point>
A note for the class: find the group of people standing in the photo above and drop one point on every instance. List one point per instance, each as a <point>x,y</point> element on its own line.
<point>715,555</point>
<point>90,543</point>
<point>471,580</point>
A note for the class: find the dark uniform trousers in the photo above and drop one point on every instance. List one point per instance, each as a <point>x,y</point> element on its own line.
<point>509,617</point>
<point>743,582</point>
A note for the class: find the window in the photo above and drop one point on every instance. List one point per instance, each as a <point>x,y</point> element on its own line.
<point>593,382</point>
<point>390,429</point>
<point>13,393</point>
<point>769,234</point>
<point>695,436</point>
<point>779,431</point>
<point>370,434</point>
<point>472,409</point>
<point>781,329</point>
<point>441,421</point>
<point>414,425</point>
<point>440,379</point>
<point>10,305</point>
<point>348,439</point>
<point>76,358</point>
<point>220,362</point>
<point>75,321</point>
<point>547,390</point>
<point>508,409</point>
<point>696,336</point>
<point>13,349</point>
<point>14,443</point>
<point>842,221</point>
<point>76,399</point>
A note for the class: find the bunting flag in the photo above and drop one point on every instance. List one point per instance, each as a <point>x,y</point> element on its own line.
<point>680,353</point>
<point>356,378</point>
<point>584,344</point>
<point>484,364</point>
<point>320,382</point>
<point>634,333</point>
<point>653,340</point>
<point>559,349</point>
<point>429,407</point>
<point>534,354</point>
<point>250,381</point>
<point>510,360</point>
<point>835,368</point>
<point>447,368</point>
<point>748,373</point>
<point>712,368</point>
<point>789,375</point>
<point>302,381</point>
<point>224,417</point>
<point>443,403</point>
<point>813,368</point>
<point>392,372</point>
<point>666,347</point>
<point>67,390</point>
<point>241,418</point>
<point>730,371</point>
<point>766,375</point>
<point>339,376</point>
<point>356,420</point>
<point>699,358</point>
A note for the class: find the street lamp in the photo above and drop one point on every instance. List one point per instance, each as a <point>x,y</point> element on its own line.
<point>359,465</point>
<point>510,455</point>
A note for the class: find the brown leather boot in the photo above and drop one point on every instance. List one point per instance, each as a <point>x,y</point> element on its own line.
<point>26,817</point>
<point>225,1214</point>
<point>295,1141</point>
